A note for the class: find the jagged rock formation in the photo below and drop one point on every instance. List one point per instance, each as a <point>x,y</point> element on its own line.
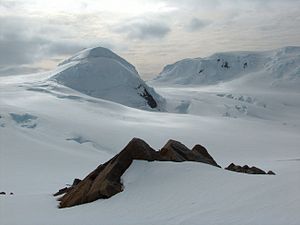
<point>66,189</point>
<point>105,180</point>
<point>247,169</point>
<point>176,151</point>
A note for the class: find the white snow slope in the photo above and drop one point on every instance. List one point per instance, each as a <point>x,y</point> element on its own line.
<point>274,69</point>
<point>50,134</point>
<point>100,73</point>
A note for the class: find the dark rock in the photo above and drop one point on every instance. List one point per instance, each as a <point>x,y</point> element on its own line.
<point>175,151</point>
<point>66,189</point>
<point>2,193</point>
<point>11,193</point>
<point>76,181</point>
<point>270,172</point>
<point>255,170</point>
<point>61,191</point>
<point>148,97</point>
<point>105,180</point>
<point>230,167</point>
<point>225,65</point>
<point>202,155</point>
<point>246,169</point>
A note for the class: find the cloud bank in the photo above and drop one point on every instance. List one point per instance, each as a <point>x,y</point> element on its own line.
<point>34,35</point>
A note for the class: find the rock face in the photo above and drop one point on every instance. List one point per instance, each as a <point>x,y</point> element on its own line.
<point>67,189</point>
<point>176,151</point>
<point>105,180</point>
<point>247,169</point>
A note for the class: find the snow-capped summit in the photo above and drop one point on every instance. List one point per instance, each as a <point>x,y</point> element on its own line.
<point>94,53</point>
<point>278,68</point>
<point>100,73</point>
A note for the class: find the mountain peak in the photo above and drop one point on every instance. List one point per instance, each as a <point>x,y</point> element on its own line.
<point>274,69</point>
<point>94,54</point>
<point>100,73</point>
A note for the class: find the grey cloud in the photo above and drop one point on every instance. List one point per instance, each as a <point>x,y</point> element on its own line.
<point>21,43</point>
<point>22,69</point>
<point>18,49</point>
<point>206,7</point>
<point>10,4</point>
<point>143,29</point>
<point>196,24</point>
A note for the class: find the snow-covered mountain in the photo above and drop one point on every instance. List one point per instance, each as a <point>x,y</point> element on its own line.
<point>278,68</point>
<point>50,134</point>
<point>100,73</point>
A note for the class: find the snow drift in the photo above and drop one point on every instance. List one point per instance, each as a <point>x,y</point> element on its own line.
<point>278,68</point>
<point>100,73</point>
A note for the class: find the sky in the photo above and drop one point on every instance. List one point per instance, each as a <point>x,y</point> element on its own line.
<point>35,35</point>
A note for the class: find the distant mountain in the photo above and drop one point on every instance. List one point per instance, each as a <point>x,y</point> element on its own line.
<point>277,68</point>
<point>100,73</point>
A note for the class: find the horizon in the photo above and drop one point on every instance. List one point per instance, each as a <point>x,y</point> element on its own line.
<point>36,35</point>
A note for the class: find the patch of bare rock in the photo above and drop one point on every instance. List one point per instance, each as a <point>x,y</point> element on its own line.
<point>105,180</point>
<point>247,169</point>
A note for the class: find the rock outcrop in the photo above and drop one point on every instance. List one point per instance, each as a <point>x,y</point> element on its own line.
<point>105,180</point>
<point>66,189</point>
<point>176,151</point>
<point>247,169</point>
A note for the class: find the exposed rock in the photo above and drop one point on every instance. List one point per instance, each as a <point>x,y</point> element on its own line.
<point>2,193</point>
<point>176,151</point>
<point>246,169</point>
<point>270,172</point>
<point>225,65</point>
<point>105,180</point>
<point>61,191</point>
<point>202,155</point>
<point>255,170</point>
<point>76,181</point>
<point>11,193</point>
<point>66,189</point>
<point>149,98</point>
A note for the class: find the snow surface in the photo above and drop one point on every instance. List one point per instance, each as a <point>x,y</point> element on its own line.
<point>100,73</point>
<point>74,133</point>
<point>274,69</point>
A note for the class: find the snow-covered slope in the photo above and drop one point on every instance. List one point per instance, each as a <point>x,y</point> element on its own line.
<point>50,134</point>
<point>270,69</point>
<point>100,73</point>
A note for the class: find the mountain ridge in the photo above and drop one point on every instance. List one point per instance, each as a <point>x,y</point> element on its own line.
<point>272,68</point>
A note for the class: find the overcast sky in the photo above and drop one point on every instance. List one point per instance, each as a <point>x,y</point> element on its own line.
<point>36,34</point>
